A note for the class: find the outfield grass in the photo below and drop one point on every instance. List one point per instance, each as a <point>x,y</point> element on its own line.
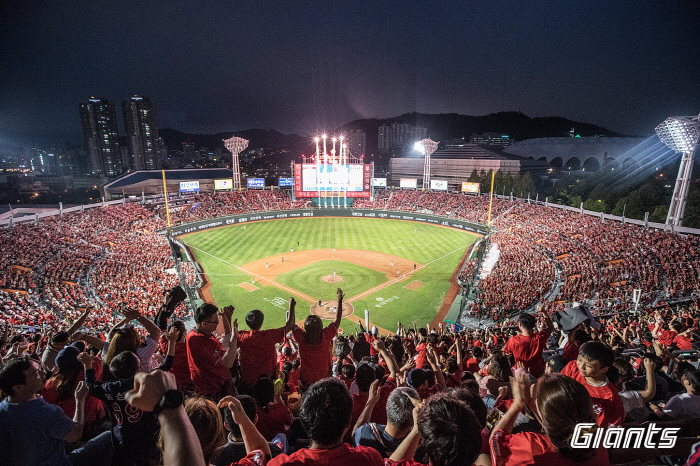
<point>220,251</point>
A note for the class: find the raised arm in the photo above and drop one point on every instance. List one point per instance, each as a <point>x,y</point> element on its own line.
<point>79,323</point>
<point>292,316</point>
<point>181,445</point>
<point>252,438</point>
<point>339,309</point>
<point>366,414</point>
<point>433,360</point>
<point>76,433</point>
<point>545,317</point>
<point>231,353</point>
<point>520,387</point>
<point>649,392</point>
<point>151,327</point>
<point>388,357</point>
<point>116,327</point>
<point>90,339</point>
<point>458,344</point>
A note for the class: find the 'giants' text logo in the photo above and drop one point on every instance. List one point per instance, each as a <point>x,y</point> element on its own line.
<point>588,436</point>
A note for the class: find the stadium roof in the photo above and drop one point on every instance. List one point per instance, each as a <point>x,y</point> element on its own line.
<point>573,147</point>
<point>139,176</point>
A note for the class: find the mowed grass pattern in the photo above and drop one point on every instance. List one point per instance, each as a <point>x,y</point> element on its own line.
<point>220,251</point>
<point>356,279</point>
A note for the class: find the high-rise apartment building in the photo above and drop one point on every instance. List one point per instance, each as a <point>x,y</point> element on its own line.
<point>384,138</point>
<point>399,135</point>
<point>99,121</point>
<point>141,123</point>
<point>357,142</point>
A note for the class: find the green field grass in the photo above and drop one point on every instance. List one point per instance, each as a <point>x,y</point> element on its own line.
<point>356,279</point>
<point>221,251</point>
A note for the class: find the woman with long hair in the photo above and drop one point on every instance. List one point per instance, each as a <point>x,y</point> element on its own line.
<point>560,403</point>
<point>60,388</point>
<point>498,375</point>
<point>208,424</point>
<point>315,345</point>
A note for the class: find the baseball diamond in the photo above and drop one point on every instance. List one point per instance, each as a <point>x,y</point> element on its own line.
<point>398,270</point>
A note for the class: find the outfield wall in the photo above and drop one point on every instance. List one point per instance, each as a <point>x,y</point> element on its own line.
<point>306,213</point>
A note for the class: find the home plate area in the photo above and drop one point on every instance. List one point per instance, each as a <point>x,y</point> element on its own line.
<point>326,309</point>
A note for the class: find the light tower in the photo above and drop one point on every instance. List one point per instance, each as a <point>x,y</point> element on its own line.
<point>426,147</point>
<point>236,145</point>
<point>680,134</point>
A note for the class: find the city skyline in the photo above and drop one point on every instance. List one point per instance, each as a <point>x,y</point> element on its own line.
<point>304,68</point>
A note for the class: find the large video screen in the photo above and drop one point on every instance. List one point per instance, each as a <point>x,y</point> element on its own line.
<point>286,182</point>
<point>256,182</point>
<point>223,184</point>
<point>379,182</point>
<point>312,180</point>
<point>189,186</point>
<point>408,183</point>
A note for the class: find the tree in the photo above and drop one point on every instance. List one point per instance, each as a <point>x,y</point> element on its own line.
<point>596,205</point>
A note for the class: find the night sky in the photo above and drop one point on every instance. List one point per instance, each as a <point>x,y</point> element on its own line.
<point>305,66</point>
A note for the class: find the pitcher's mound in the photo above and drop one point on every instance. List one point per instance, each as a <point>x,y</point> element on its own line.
<point>332,278</point>
<point>327,309</point>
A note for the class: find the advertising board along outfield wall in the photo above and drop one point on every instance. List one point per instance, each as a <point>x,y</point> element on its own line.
<point>201,225</point>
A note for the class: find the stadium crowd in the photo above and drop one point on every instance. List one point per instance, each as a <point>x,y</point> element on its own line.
<point>88,324</point>
<point>312,395</point>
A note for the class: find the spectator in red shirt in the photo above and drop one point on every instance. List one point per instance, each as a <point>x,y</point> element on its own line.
<point>594,360</point>
<point>273,415</point>
<point>554,394</point>
<point>325,414</point>
<point>472,364</point>
<point>181,366</point>
<point>315,344</point>
<point>364,376</point>
<point>256,347</point>
<point>528,346</point>
<point>210,363</point>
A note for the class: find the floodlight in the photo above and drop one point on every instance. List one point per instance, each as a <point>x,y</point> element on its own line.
<point>680,134</point>
<point>426,147</point>
<point>236,145</point>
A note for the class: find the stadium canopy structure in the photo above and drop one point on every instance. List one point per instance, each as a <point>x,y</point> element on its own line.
<point>680,134</point>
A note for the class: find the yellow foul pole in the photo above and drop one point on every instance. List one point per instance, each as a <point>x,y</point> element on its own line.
<point>167,209</point>
<point>493,175</point>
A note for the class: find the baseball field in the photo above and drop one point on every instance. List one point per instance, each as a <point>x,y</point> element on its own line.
<point>398,270</point>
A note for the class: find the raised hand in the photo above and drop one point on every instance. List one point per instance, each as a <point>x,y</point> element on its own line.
<point>81,391</point>
<point>340,294</point>
<point>131,314</point>
<point>378,345</point>
<point>149,389</point>
<point>172,335</point>
<point>374,391</point>
<point>86,359</point>
<point>228,312</point>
